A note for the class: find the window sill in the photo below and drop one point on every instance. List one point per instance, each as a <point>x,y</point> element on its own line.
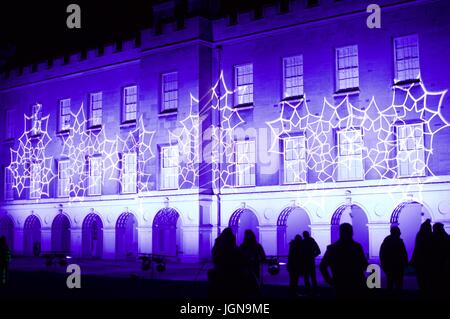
<point>63,133</point>
<point>127,124</point>
<point>293,98</point>
<point>8,140</point>
<point>35,136</point>
<point>95,128</point>
<point>344,92</point>
<point>406,83</point>
<point>245,106</point>
<point>168,113</point>
<point>244,186</point>
<point>169,189</point>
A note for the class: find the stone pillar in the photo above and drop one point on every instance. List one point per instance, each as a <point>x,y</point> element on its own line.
<point>189,242</point>
<point>46,239</point>
<point>18,248</point>
<point>75,241</point>
<point>145,240</point>
<point>322,234</point>
<point>377,233</point>
<point>109,243</point>
<point>268,239</point>
<point>206,241</point>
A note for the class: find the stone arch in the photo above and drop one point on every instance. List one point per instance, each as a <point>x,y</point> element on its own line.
<point>32,236</point>
<point>166,232</point>
<point>356,216</point>
<point>241,220</point>
<point>7,229</point>
<point>126,235</point>
<point>292,220</point>
<point>61,233</point>
<point>92,236</point>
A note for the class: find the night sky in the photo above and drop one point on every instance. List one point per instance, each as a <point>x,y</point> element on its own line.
<point>33,31</point>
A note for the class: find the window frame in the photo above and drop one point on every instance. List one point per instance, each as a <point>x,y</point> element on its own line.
<point>236,94</point>
<point>337,69</point>
<point>302,161</point>
<point>163,108</point>
<point>396,78</point>
<point>340,157</point>
<point>91,110</point>
<point>302,86</point>
<point>163,169</point>
<point>60,194</point>
<point>35,186</point>
<point>252,165</point>
<point>398,151</point>
<point>124,109</point>
<point>60,115</point>
<point>125,174</point>
<point>8,190</point>
<point>91,177</point>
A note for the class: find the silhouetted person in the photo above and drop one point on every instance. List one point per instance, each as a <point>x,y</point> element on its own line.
<point>309,250</point>
<point>295,263</point>
<point>348,264</point>
<point>422,257</point>
<point>227,277</point>
<point>5,257</point>
<point>441,262</point>
<point>253,254</point>
<point>394,258</point>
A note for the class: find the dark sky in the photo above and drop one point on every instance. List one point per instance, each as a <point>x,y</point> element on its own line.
<point>33,31</point>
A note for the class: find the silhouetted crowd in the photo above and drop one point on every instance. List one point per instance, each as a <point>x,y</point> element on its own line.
<point>237,270</point>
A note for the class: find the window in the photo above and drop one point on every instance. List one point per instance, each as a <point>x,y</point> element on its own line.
<point>95,176</point>
<point>35,180</point>
<point>245,163</point>
<point>244,84</point>
<point>95,109</point>
<point>64,114</point>
<point>293,76</point>
<point>169,91</point>
<point>129,104</point>
<point>63,178</point>
<point>9,124</point>
<point>9,182</point>
<point>410,150</point>
<point>406,58</point>
<point>169,167</point>
<point>36,119</point>
<point>347,73</point>
<point>294,160</point>
<point>129,173</point>
<point>350,155</point>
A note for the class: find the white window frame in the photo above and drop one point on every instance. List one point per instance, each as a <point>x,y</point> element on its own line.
<point>294,160</point>
<point>350,166</point>
<point>9,183</point>
<point>293,76</point>
<point>35,183</point>
<point>36,119</point>
<point>169,165</point>
<point>169,91</point>
<point>244,93</point>
<point>129,103</point>
<point>63,178</point>
<point>64,114</point>
<point>129,173</point>
<point>9,123</point>
<point>410,148</point>
<point>96,109</point>
<point>347,73</point>
<point>245,163</point>
<point>95,175</point>
<point>411,64</point>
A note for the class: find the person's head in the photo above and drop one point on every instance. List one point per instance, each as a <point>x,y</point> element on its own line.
<point>438,229</point>
<point>227,236</point>
<point>2,241</point>
<point>306,234</point>
<point>345,231</point>
<point>425,228</point>
<point>297,238</point>
<point>249,237</point>
<point>395,231</point>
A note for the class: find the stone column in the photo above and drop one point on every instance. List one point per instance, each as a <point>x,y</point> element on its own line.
<point>18,241</point>
<point>321,232</point>
<point>75,241</point>
<point>145,240</point>
<point>46,239</point>
<point>109,243</point>
<point>189,242</point>
<point>377,233</point>
<point>268,239</point>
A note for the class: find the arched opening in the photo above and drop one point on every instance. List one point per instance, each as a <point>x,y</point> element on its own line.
<point>32,236</point>
<point>355,216</point>
<point>291,221</point>
<point>241,220</point>
<point>126,236</point>
<point>7,230</point>
<point>92,236</point>
<point>408,216</point>
<point>166,232</point>
<point>61,234</point>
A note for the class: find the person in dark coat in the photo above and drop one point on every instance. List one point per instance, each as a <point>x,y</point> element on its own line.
<point>422,257</point>
<point>295,263</point>
<point>5,257</point>
<point>253,254</point>
<point>310,250</point>
<point>441,262</point>
<point>226,279</point>
<point>348,264</point>
<point>394,259</point>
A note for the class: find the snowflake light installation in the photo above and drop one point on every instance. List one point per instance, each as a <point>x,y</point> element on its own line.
<point>30,166</point>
